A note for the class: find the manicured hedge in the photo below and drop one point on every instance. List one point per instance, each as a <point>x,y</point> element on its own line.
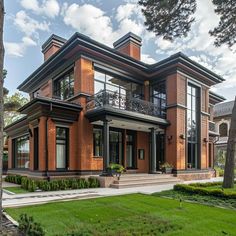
<point>205,191</point>
<point>208,184</point>
<point>53,185</point>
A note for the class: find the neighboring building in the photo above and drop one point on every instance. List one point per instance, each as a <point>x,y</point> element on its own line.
<point>92,105</point>
<point>222,119</point>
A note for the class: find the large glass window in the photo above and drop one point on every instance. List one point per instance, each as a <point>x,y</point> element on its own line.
<point>21,152</point>
<point>193,104</point>
<point>97,142</point>
<point>62,147</point>
<point>64,86</point>
<point>158,97</point>
<point>103,81</point>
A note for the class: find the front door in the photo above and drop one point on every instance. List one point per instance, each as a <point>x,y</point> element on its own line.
<point>116,147</point>
<point>130,150</point>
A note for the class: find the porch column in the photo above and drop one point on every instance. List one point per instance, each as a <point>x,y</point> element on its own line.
<point>153,160</point>
<point>106,153</point>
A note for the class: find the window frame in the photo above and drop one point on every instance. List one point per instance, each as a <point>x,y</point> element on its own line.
<point>15,151</point>
<point>66,139</point>
<point>57,85</point>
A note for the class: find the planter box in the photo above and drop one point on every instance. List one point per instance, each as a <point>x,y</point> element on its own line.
<point>167,170</point>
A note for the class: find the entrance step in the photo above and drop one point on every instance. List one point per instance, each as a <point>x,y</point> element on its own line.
<point>141,180</point>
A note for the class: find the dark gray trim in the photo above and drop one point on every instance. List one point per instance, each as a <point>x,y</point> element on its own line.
<point>153,156</point>
<point>176,105</point>
<point>55,38</point>
<point>100,113</point>
<point>84,41</point>
<point>129,37</point>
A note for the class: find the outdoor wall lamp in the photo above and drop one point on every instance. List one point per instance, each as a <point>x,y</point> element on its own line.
<point>182,136</point>
<point>205,140</point>
<point>169,137</point>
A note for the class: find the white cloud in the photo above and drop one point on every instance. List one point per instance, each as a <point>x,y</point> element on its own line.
<point>89,20</point>
<point>147,59</point>
<point>49,8</point>
<point>28,25</point>
<point>18,49</point>
<point>94,22</point>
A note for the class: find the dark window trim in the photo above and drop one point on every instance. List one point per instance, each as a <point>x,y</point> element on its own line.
<point>60,78</point>
<point>67,147</point>
<point>14,151</point>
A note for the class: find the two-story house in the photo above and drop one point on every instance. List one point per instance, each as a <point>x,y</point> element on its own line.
<point>92,105</point>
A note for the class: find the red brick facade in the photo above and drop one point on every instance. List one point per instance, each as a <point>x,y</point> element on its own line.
<point>81,158</point>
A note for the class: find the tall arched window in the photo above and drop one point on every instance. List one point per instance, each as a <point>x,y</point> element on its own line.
<point>223,130</point>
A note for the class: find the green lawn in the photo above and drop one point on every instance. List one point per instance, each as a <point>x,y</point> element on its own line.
<point>16,190</point>
<point>134,214</point>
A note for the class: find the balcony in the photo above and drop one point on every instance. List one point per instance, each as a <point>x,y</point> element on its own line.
<point>115,100</point>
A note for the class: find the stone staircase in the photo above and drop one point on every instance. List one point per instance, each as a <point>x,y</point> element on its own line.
<point>142,180</point>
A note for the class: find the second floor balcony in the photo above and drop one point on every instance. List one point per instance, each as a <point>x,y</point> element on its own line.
<point>106,98</point>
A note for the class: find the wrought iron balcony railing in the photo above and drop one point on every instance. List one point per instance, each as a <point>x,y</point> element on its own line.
<point>212,127</point>
<point>124,102</point>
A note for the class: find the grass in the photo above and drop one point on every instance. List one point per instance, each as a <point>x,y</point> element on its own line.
<point>134,214</point>
<point>16,190</point>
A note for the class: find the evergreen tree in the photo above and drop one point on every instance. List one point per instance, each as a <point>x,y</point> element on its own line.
<point>173,19</point>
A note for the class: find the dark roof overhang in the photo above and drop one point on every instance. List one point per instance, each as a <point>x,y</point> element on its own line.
<point>53,108</point>
<point>83,45</point>
<point>103,112</point>
<point>215,98</point>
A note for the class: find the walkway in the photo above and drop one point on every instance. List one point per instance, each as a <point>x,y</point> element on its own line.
<point>45,197</point>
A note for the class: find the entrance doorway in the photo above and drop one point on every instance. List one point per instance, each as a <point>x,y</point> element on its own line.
<point>116,147</point>
<point>130,150</point>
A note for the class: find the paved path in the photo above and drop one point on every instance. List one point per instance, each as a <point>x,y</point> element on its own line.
<point>45,197</point>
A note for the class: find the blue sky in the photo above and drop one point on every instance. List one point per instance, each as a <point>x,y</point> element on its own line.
<point>28,23</point>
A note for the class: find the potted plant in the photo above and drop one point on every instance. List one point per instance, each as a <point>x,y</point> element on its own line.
<point>115,169</point>
<point>166,168</point>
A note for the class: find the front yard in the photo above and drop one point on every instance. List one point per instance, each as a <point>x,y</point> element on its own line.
<point>134,214</point>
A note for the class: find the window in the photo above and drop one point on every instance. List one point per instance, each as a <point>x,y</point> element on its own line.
<point>62,147</point>
<point>64,86</point>
<point>223,130</point>
<point>97,142</point>
<point>21,152</point>
<point>159,98</point>
<point>103,81</point>
<point>193,106</point>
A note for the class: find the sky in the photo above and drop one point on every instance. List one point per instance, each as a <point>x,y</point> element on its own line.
<point>29,23</point>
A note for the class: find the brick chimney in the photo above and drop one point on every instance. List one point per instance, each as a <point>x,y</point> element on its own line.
<point>52,45</point>
<point>130,44</point>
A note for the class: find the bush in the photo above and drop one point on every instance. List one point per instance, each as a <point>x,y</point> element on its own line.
<point>93,182</point>
<point>53,185</point>
<point>28,227</point>
<point>190,189</point>
<point>32,186</point>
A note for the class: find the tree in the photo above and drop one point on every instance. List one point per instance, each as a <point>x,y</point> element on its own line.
<point>1,102</point>
<point>231,152</point>
<point>173,19</point>
<point>11,105</point>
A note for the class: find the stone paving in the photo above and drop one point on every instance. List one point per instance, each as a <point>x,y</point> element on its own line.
<point>65,195</point>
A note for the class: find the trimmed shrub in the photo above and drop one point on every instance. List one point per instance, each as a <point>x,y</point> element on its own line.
<point>32,186</point>
<point>93,182</point>
<point>28,227</point>
<point>24,183</point>
<point>190,189</point>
